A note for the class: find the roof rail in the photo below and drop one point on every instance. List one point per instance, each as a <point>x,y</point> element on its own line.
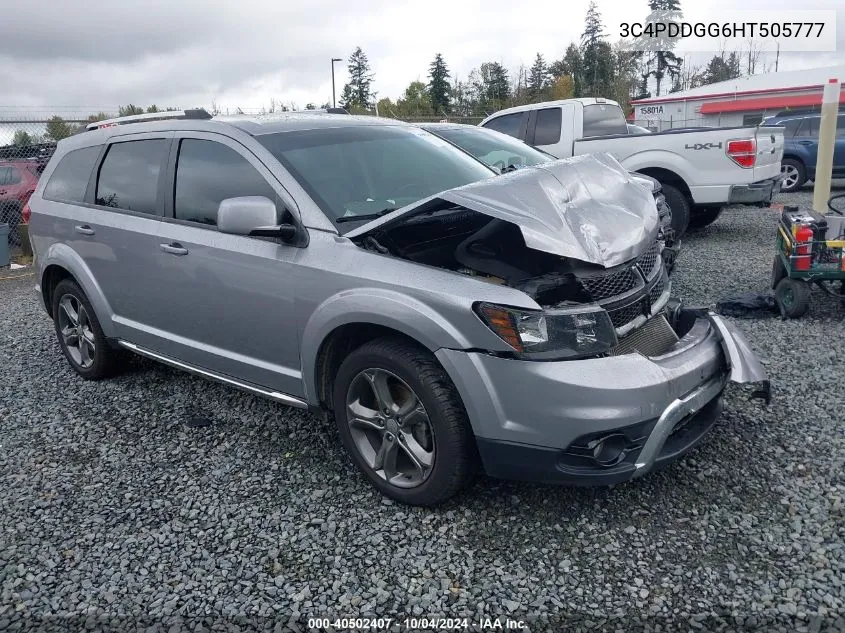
<point>195,113</point>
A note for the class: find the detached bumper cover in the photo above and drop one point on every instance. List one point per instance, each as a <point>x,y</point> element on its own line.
<point>757,193</point>
<point>539,421</point>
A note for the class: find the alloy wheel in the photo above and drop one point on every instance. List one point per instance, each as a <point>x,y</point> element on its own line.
<point>390,428</point>
<point>75,328</point>
<point>789,175</point>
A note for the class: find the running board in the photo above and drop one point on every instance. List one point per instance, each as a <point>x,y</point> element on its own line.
<point>272,395</point>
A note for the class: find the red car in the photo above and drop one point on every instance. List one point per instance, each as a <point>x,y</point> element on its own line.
<point>17,182</point>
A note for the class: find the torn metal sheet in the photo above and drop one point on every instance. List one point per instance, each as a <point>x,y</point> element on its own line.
<point>587,207</point>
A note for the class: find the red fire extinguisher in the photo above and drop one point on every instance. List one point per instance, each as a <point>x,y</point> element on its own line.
<point>804,248</point>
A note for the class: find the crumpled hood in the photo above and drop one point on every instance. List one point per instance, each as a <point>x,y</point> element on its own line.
<point>587,208</point>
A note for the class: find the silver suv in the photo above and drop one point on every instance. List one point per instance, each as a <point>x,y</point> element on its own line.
<point>445,316</point>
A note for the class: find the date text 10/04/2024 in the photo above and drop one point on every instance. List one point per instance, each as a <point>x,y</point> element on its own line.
<point>417,623</point>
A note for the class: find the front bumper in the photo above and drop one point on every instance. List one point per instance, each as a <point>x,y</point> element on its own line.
<point>552,421</point>
<point>757,193</point>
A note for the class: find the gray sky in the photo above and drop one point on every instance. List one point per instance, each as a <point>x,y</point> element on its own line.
<point>187,53</point>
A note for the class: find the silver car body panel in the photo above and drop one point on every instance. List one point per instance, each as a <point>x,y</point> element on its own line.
<point>583,207</point>
<point>255,313</point>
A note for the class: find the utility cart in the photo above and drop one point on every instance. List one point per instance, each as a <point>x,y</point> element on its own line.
<point>810,250</point>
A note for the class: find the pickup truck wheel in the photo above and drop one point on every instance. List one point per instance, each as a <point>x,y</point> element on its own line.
<point>793,175</point>
<point>702,217</point>
<point>794,296</point>
<point>79,333</point>
<point>680,207</point>
<point>402,421</point>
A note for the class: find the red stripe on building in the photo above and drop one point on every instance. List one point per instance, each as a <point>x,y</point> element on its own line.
<point>766,103</point>
<point>670,99</point>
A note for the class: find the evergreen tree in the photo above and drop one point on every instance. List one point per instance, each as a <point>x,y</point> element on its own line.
<point>721,68</point>
<point>538,77</point>
<point>130,110</point>
<point>597,72</point>
<point>58,128</point>
<point>357,92</point>
<point>664,63</point>
<point>496,86</point>
<point>571,65</point>
<point>438,85</point>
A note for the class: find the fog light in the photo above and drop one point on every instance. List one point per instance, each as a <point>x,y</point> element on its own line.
<point>609,450</point>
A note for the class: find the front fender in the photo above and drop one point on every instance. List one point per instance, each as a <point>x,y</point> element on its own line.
<point>376,306</point>
<point>62,255</point>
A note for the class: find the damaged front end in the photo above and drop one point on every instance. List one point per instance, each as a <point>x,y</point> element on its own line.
<point>579,237</point>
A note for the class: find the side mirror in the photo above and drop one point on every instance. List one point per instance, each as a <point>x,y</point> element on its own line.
<point>252,215</point>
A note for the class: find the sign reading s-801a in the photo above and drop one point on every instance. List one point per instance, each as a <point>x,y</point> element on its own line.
<point>651,110</point>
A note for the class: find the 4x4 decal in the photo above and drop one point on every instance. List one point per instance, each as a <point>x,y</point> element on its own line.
<point>697,146</point>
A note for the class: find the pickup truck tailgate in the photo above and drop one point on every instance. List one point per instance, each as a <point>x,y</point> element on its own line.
<point>769,152</point>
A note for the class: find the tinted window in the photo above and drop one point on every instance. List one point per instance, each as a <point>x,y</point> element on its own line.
<point>70,178</point>
<point>752,119</point>
<point>509,124</point>
<point>207,173</point>
<point>362,170</point>
<point>4,175</point>
<point>809,128</point>
<point>14,176</point>
<point>791,127</point>
<point>840,125</point>
<point>129,175</point>
<point>604,118</point>
<point>547,131</point>
<point>493,148</point>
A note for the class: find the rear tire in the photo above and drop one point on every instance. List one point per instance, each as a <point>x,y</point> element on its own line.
<point>680,206</point>
<point>794,296</point>
<point>793,175</point>
<point>426,468</point>
<point>705,216</point>
<point>80,335</point>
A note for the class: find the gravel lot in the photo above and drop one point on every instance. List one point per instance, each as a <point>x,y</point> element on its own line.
<point>116,512</point>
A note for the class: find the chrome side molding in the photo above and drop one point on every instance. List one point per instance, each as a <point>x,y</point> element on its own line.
<point>205,373</point>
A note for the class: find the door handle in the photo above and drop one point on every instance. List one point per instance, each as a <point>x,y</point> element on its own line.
<point>84,229</point>
<point>174,248</point>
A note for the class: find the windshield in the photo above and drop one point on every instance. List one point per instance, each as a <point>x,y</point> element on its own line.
<point>493,148</point>
<point>357,173</point>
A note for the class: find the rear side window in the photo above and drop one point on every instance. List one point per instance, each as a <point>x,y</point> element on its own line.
<point>129,175</point>
<point>69,180</point>
<point>509,124</point>
<point>207,173</point>
<point>809,128</point>
<point>14,176</point>
<point>603,119</point>
<point>791,127</point>
<point>840,125</point>
<point>4,175</point>
<point>547,131</point>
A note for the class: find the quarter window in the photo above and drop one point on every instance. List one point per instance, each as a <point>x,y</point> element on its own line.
<point>69,180</point>
<point>129,175</point>
<point>809,128</point>
<point>509,124</point>
<point>547,131</point>
<point>207,173</point>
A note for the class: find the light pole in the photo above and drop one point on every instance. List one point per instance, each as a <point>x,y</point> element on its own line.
<point>334,59</point>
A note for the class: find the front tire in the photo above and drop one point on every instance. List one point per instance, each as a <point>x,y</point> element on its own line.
<point>403,423</point>
<point>680,206</point>
<point>80,335</point>
<point>705,216</point>
<point>794,296</point>
<point>793,175</point>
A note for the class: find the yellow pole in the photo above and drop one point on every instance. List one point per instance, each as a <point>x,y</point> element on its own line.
<point>827,138</point>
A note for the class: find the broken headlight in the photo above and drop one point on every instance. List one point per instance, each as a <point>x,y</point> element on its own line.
<point>554,334</point>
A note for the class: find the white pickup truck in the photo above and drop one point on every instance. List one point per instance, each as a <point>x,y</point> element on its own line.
<point>701,170</point>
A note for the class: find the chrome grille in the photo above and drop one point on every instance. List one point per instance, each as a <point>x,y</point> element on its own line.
<point>605,286</point>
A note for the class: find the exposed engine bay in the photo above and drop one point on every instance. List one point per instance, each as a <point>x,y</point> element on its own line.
<point>494,250</point>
